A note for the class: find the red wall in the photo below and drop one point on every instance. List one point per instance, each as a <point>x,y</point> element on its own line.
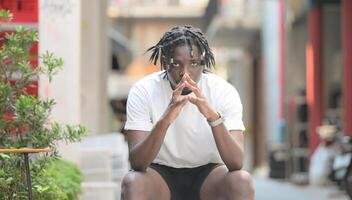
<point>24,12</point>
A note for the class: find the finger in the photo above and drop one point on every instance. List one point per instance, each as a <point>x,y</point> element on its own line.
<point>194,85</point>
<point>193,100</point>
<point>179,89</point>
<point>181,81</point>
<point>182,101</point>
<point>184,77</point>
<point>190,80</point>
<point>194,89</point>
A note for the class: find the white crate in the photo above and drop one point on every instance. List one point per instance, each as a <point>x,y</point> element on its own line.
<point>104,157</point>
<point>100,191</point>
<point>104,162</point>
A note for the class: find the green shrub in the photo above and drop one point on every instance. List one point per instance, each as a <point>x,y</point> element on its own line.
<point>59,180</point>
<point>25,123</point>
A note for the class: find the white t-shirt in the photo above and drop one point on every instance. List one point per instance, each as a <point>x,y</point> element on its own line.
<point>189,141</point>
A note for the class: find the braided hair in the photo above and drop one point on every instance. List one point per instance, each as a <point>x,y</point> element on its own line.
<point>178,36</point>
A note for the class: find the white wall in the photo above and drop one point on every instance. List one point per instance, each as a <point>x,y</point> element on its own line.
<point>95,60</point>
<point>59,32</point>
<point>241,76</point>
<point>75,31</point>
<point>270,39</point>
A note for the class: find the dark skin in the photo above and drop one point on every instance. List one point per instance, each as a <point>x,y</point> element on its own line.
<point>145,146</point>
<point>227,181</point>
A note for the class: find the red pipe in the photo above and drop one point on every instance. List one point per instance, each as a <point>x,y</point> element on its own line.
<point>347,65</point>
<point>282,58</point>
<point>314,75</point>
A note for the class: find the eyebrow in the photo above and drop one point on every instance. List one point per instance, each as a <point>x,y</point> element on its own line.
<point>193,59</point>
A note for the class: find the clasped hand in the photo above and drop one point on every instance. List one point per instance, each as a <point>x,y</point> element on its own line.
<point>178,101</point>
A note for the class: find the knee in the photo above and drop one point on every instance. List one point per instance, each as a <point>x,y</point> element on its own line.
<point>132,185</point>
<point>241,185</point>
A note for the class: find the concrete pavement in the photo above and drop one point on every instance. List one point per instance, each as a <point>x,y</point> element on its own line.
<point>269,189</point>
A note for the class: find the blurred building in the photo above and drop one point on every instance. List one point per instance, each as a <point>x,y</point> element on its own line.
<point>233,31</point>
<point>137,25</point>
<point>142,22</point>
<point>289,60</point>
<point>291,71</point>
<point>306,66</point>
<point>318,47</point>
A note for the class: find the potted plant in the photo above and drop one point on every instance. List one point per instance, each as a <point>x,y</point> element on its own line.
<point>25,123</point>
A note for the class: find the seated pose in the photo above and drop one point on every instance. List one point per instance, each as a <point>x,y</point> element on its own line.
<point>184,127</point>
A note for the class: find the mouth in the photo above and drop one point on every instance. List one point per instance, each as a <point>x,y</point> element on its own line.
<point>186,91</point>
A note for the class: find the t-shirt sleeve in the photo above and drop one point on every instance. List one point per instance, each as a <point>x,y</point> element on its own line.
<point>231,109</point>
<point>138,110</point>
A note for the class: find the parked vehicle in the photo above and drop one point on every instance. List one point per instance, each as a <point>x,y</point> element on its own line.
<point>342,164</point>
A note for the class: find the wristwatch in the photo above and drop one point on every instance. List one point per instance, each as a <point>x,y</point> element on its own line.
<point>217,121</point>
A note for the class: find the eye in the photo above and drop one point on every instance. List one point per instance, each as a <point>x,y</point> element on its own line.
<point>195,64</point>
<point>175,65</point>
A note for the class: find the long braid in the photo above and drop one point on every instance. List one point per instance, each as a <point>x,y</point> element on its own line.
<point>177,36</point>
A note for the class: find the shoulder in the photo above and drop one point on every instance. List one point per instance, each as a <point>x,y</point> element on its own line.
<point>149,82</point>
<point>216,82</point>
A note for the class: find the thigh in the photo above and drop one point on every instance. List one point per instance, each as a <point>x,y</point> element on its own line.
<point>212,187</point>
<point>150,185</point>
<point>222,184</point>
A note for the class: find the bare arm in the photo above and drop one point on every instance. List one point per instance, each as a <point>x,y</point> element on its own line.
<point>229,143</point>
<point>145,146</point>
<point>230,146</point>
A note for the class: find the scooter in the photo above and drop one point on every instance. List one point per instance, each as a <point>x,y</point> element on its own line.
<point>342,164</point>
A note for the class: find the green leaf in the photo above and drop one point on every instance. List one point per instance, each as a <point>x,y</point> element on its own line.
<point>4,156</point>
<point>5,14</point>
<point>2,172</point>
<point>9,180</point>
<point>52,63</point>
<point>5,92</point>
<point>25,122</point>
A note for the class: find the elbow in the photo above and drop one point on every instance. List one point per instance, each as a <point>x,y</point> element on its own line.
<point>235,166</point>
<point>137,166</point>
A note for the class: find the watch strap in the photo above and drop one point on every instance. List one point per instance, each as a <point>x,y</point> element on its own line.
<point>216,122</point>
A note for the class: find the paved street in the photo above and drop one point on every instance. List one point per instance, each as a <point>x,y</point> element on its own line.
<point>268,189</point>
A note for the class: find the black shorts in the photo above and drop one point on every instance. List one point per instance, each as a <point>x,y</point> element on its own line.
<point>184,183</point>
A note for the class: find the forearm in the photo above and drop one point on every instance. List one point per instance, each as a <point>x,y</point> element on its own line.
<point>230,150</point>
<point>143,153</point>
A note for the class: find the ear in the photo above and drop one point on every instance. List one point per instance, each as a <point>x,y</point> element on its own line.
<point>202,59</point>
<point>164,63</point>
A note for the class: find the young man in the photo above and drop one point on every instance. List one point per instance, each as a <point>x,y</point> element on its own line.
<point>184,127</point>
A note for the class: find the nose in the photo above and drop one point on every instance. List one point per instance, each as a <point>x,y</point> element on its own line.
<point>185,70</point>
